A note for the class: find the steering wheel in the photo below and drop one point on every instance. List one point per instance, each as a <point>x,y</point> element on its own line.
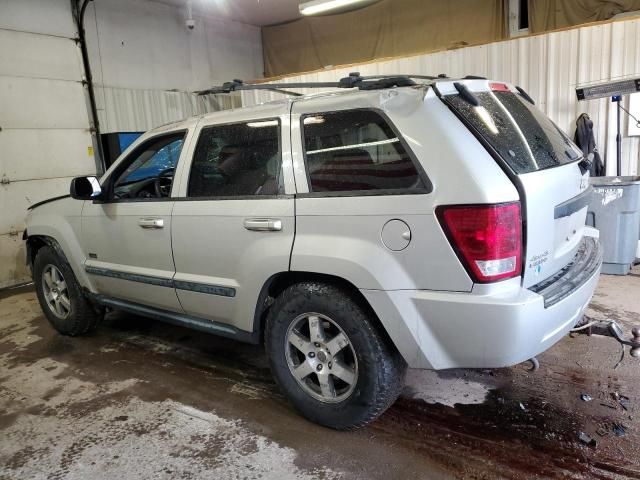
<point>162,181</point>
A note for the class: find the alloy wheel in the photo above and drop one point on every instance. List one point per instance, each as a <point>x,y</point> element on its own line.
<point>321,358</point>
<point>56,292</point>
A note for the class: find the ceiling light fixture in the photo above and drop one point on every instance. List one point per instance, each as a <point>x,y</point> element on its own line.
<point>319,7</point>
<point>313,120</point>
<point>266,123</point>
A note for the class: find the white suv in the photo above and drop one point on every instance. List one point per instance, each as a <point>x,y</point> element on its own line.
<point>434,225</point>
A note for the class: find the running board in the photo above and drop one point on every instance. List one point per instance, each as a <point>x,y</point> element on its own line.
<point>180,319</point>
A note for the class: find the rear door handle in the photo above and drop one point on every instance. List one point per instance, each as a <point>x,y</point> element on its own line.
<point>263,224</point>
<point>151,222</point>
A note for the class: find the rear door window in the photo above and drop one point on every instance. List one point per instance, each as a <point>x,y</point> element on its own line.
<point>357,151</point>
<point>241,159</point>
<point>524,137</point>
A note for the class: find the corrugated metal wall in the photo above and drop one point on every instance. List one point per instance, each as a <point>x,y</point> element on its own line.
<point>130,110</point>
<point>548,66</point>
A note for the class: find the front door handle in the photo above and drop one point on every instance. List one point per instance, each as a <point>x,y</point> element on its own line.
<point>263,224</point>
<point>151,222</point>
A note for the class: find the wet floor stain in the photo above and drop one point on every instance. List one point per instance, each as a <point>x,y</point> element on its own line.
<point>138,396</point>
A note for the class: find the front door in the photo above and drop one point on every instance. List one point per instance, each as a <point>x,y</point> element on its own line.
<point>234,225</point>
<point>127,237</point>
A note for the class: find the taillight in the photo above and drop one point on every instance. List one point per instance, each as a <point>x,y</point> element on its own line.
<point>486,238</point>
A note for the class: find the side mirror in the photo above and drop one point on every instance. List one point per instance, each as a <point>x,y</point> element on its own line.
<point>85,188</point>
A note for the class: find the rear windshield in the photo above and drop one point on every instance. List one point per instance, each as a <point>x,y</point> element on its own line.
<point>525,138</point>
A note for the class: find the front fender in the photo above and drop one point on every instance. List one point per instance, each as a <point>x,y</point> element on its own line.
<point>60,220</point>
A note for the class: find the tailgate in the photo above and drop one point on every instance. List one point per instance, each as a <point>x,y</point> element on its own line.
<point>542,163</point>
<point>556,211</point>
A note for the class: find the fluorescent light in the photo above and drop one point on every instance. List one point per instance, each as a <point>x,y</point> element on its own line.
<point>354,146</point>
<point>315,7</point>
<point>313,120</point>
<point>266,123</point>
<point>485,116</point>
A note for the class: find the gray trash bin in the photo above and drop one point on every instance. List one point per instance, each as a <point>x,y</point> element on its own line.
<point>615,211</point>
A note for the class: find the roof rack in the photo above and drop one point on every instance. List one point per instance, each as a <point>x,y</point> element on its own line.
<point>354,80</point>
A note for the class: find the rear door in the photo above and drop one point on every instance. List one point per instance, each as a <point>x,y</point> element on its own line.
<point>540,159</point>
<point>233,226</point>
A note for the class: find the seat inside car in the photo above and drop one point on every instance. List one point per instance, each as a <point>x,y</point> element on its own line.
<point>334,171</point>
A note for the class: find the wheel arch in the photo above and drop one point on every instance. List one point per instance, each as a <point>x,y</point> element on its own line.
<point>279,282</point>
<point>35,242</point>
<point>39,239</point>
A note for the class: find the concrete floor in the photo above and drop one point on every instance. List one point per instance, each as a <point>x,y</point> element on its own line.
<point>140,399</point>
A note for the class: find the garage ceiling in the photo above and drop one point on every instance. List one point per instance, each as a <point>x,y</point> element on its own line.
<point>253,12</point>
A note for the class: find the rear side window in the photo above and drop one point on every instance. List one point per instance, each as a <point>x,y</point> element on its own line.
<point>356,151</point>
<point>524,137</point>
<point>241,159</point>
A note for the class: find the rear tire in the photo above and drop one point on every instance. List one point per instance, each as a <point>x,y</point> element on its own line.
<point>329,358</point>
<point>60,296</point>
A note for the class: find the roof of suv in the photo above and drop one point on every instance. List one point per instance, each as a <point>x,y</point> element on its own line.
<point>347,86</point>
<point>282,101</point>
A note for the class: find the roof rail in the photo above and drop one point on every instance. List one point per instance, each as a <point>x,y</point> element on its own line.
<point>354,80</point>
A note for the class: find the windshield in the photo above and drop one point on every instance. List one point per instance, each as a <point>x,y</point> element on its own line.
<point>525,138</point>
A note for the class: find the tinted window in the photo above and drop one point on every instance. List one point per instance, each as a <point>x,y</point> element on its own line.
<point>522,135</point>
<point>239,159</point>
<point>356,150</point>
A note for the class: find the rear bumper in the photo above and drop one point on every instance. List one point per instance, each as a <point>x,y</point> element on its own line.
<point>500,327</point>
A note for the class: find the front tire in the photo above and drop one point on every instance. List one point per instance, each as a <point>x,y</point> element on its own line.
<point>329,358</point>
<point>60,296</point>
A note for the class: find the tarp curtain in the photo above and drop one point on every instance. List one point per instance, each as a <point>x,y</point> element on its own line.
<point>389,28</point>
<point>545,15</point>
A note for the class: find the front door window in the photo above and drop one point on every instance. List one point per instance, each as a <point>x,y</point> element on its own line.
<point>150,169</point>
